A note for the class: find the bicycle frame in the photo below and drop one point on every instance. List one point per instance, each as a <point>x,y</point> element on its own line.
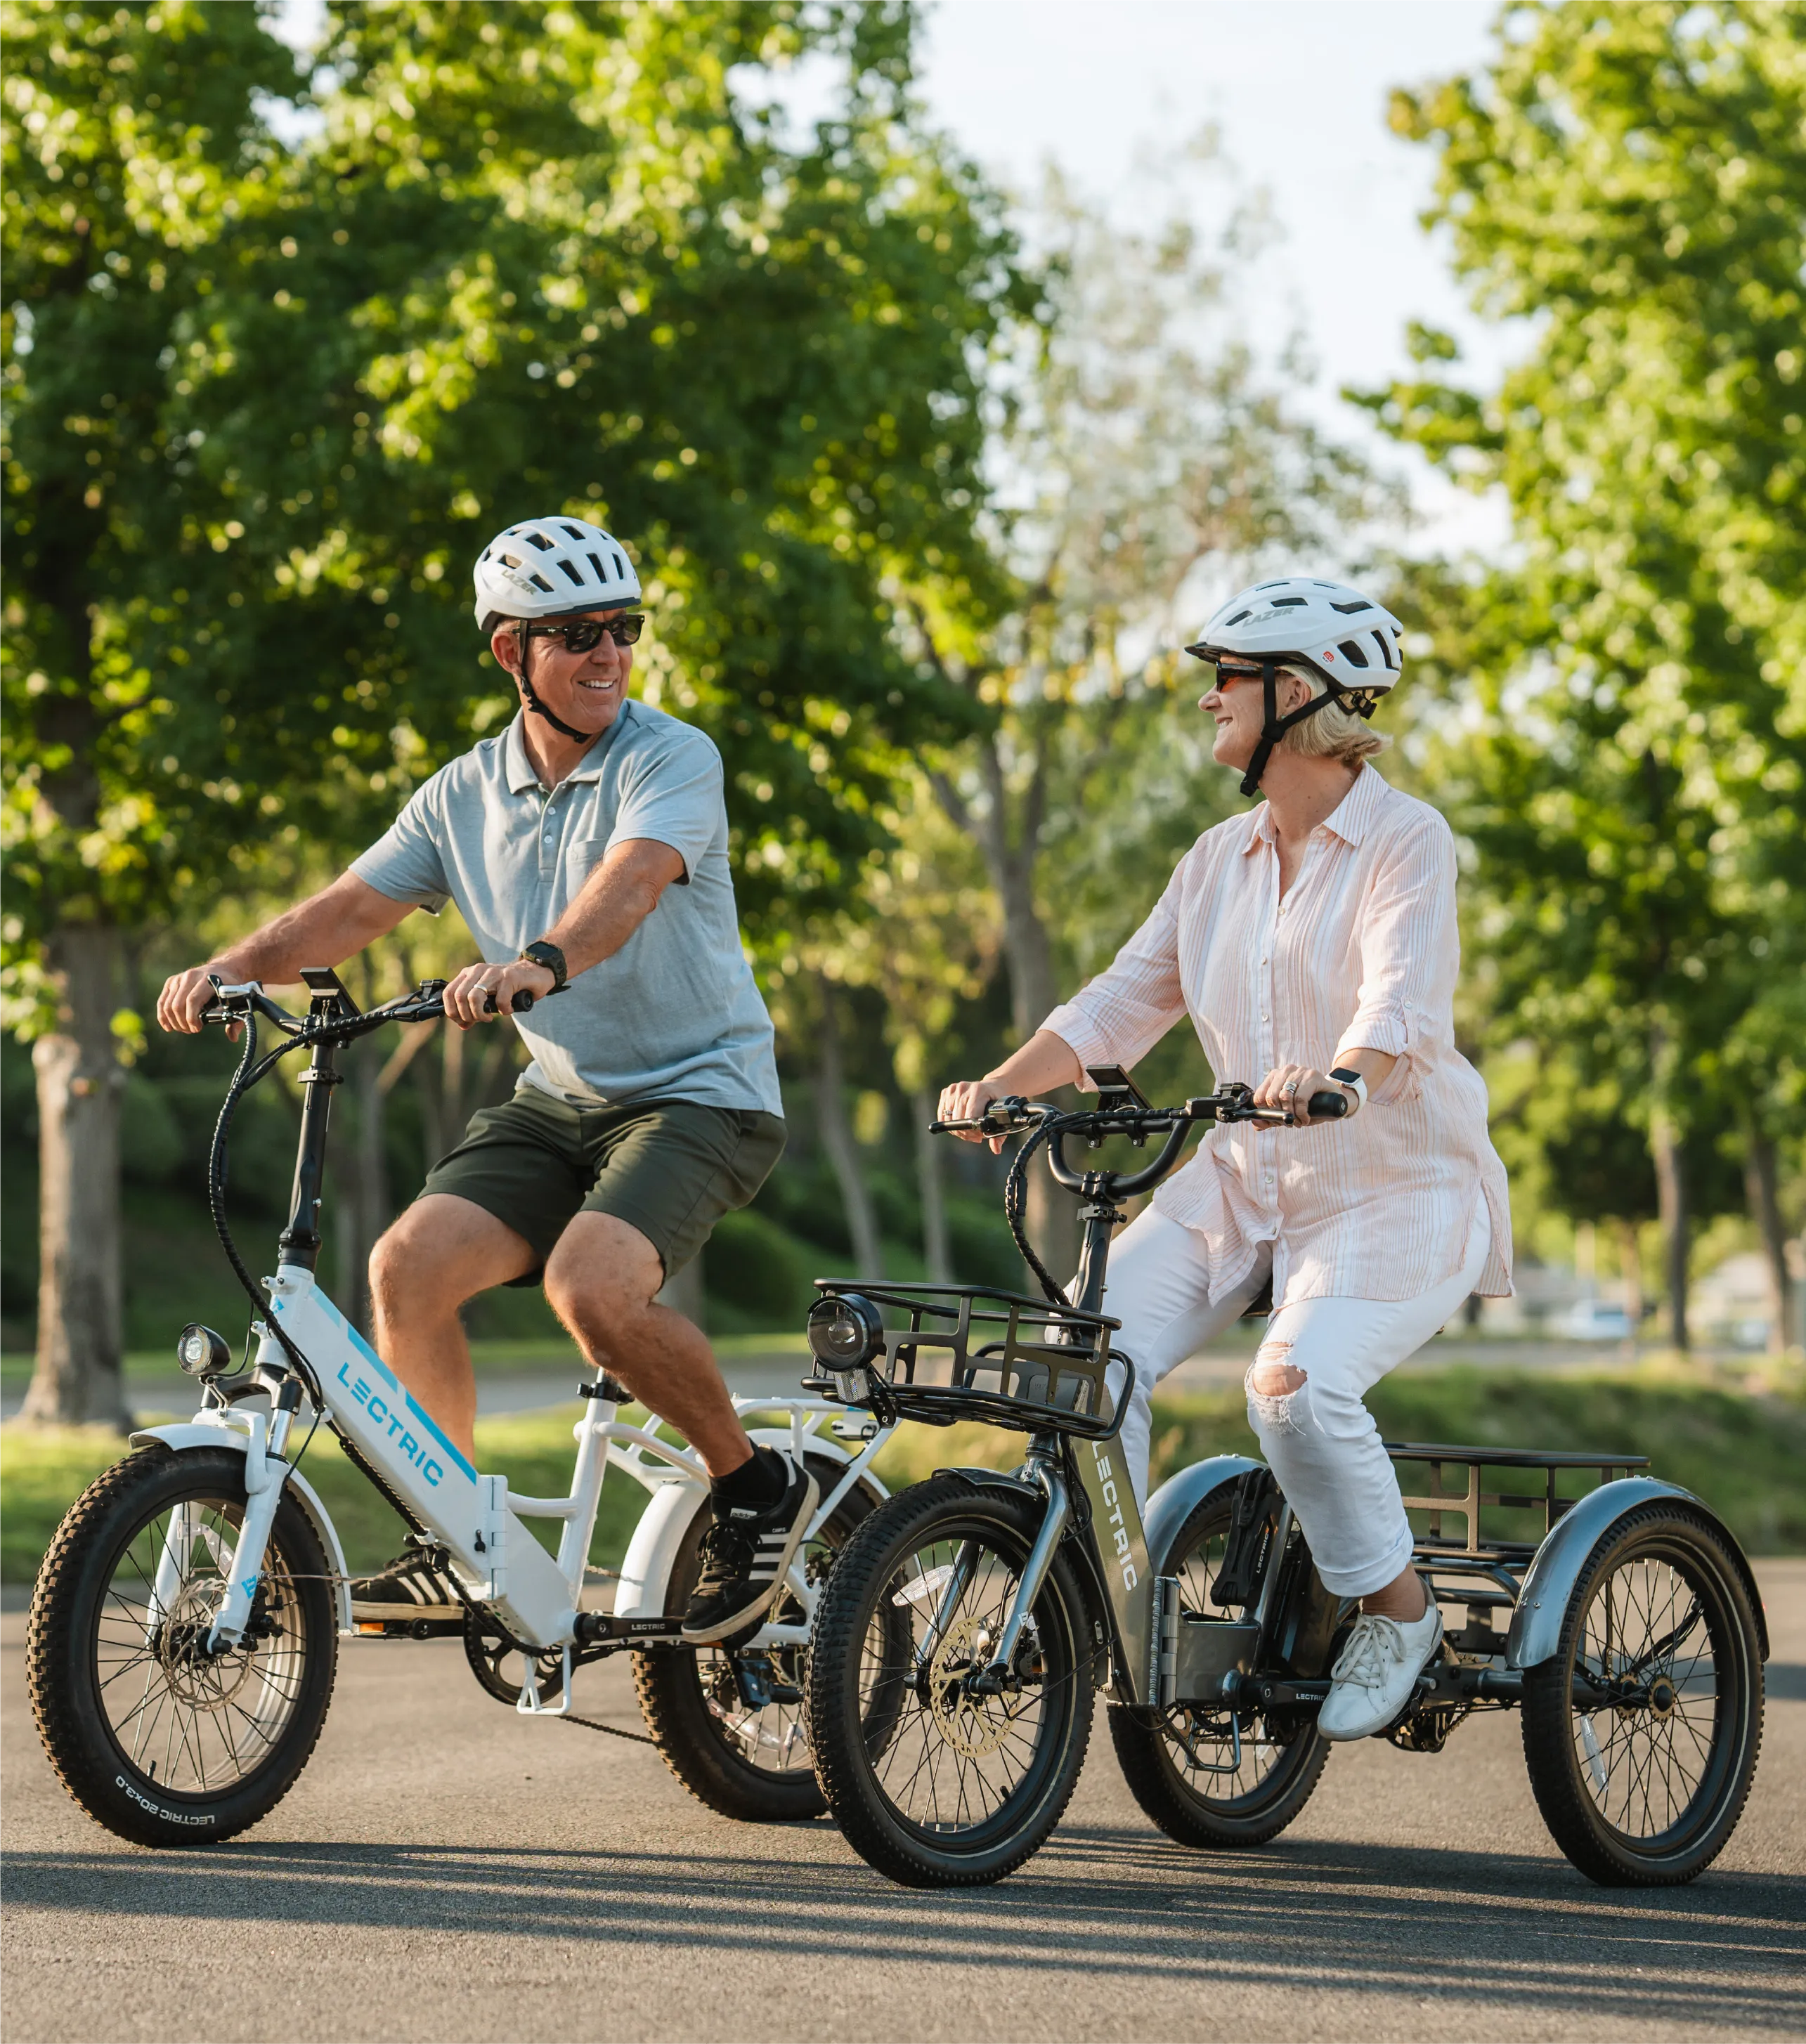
<point>474,1517</point>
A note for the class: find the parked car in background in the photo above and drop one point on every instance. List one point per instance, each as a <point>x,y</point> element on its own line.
<point>1594,1320</point>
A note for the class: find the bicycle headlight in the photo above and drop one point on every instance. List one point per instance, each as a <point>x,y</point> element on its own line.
<point>845,1333</point>
<point>202,1352</point>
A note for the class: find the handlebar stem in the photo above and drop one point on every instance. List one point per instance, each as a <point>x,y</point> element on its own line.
<point>300,1240</point>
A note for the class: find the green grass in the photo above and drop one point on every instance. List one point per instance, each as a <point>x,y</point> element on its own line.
<point>1743,1454</point>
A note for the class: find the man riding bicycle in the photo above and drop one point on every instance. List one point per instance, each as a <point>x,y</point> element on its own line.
<point>586,848</point>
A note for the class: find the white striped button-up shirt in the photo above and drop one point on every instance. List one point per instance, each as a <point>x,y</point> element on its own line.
<point>1363,950</point>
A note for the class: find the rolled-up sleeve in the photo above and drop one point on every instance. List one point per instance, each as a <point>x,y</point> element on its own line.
<point>1409,950</point>
<point>1118,1018</point>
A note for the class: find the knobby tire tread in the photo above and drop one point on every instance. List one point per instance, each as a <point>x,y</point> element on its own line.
<point>840,1631</point>
<point>49,1628</point>
<point>666,1682</point>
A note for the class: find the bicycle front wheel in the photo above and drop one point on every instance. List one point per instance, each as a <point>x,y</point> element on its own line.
<point>158,1740</point>
<point>936,1779</point>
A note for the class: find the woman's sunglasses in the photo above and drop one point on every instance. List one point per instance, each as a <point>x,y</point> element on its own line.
<point>584,635</point>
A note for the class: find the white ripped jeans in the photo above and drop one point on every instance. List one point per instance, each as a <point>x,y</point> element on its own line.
<point>1319,1440</point>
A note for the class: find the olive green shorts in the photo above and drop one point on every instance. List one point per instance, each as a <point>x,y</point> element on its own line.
<point>670,1168</point>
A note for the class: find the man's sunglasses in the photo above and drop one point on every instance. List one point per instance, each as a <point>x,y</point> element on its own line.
<point>584,635</point>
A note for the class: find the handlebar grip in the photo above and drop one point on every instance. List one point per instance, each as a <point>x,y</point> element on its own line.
<point>522,1001</point>
<point>1328,1106</point>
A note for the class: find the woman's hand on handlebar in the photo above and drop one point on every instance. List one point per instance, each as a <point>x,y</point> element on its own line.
<point>1289,1087</point>
<point>965,1100</point>
<point>482,993</point>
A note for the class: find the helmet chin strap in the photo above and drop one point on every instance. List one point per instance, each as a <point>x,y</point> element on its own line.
<point>1275,726</point>
<point>537,707</point>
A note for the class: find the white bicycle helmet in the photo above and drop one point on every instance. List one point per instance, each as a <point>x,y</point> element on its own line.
<point>1351,643</point>
<point>549,567</point>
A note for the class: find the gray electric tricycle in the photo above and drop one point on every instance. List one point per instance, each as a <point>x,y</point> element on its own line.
<point>958,1642</point>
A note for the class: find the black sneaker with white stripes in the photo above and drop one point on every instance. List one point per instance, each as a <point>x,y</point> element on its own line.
<point>410,1595</point>
<point>745,1554</point>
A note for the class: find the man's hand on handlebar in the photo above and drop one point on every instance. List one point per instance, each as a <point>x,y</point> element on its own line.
<point>482,993</point>
<point>186,996</point>
<point>1289,1087</point>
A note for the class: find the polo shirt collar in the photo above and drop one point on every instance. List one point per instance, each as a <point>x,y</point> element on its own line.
<point>523,779</point>
<point>1351,818</point>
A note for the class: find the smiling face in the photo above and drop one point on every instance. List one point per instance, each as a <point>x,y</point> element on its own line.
<point>585,690</point>
<point>1238,707</point>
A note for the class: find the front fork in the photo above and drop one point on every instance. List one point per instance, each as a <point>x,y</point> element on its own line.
<point>265,1472</point>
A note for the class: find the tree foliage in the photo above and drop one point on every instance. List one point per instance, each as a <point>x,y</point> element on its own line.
<point>1632,179</point>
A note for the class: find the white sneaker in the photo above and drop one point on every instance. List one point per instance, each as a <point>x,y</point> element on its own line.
<point>1376,1672</point>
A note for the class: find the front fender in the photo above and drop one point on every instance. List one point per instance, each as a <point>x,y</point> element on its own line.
<point>201,1433</point>
<point>652,1553</point>
<point>1180,1495</point>
<point>1536,1623</point>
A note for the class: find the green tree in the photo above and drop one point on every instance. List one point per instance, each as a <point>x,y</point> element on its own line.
<point>535,257</point>
<point>1151,462</point>
<point>131,136</point>
<point>1630,178</point>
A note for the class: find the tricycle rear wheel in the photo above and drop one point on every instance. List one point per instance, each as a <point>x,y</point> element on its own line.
<point>1268,1770</point>
<point>1641,1733</point>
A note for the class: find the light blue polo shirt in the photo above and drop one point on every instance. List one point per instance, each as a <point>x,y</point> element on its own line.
<point>675,1013</point>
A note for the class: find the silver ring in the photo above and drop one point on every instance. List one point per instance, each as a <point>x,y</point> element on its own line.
<point>1289,1087</point>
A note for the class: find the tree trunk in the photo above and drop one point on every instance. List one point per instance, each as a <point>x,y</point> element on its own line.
<point>1760,1188</point>
<point>937,1251</point>
<point>1052,1216</point>
<point>837,1138</point>
<point>1671,1205</point>
<point>1631,1268</point>
<point>77,1378</point>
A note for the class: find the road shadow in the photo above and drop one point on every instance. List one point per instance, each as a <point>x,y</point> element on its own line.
<point>1100,1901</point>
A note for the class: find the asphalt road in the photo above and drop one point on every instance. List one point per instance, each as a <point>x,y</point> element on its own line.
<point>447,1871</point>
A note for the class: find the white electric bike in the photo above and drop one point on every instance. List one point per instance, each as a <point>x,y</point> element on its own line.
<point>183,1637</point>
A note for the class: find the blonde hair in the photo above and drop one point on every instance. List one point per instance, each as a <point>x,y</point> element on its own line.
<point>1335,731</point>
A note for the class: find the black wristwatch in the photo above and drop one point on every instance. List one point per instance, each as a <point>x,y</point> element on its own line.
<point>539,952</point>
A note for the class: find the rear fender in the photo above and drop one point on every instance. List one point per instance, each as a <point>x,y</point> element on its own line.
<point>1180,1495</point>
<point>202,1434</point>
<point>652,1553</point>
<point>1555,1571</point>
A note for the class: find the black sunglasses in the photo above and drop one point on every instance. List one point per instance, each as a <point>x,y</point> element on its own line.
<point>584,635</point>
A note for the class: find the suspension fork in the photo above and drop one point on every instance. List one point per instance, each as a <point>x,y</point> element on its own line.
<point>1034,1573</point>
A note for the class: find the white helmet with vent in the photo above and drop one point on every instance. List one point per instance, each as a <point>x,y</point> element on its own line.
<point>549,567</point>
<point>1352,642</point>
<point>1349,642</point>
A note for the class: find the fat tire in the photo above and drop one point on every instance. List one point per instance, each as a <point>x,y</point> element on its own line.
<point>60,1668</point>
<point>1170,1801</point>
<point>668,1682</point>
<point>1602,1852</point>
<point>854,1800</point>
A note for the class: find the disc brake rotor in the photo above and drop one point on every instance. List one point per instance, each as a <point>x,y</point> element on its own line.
<point>201,1681</point>
<point>966,1722</point>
